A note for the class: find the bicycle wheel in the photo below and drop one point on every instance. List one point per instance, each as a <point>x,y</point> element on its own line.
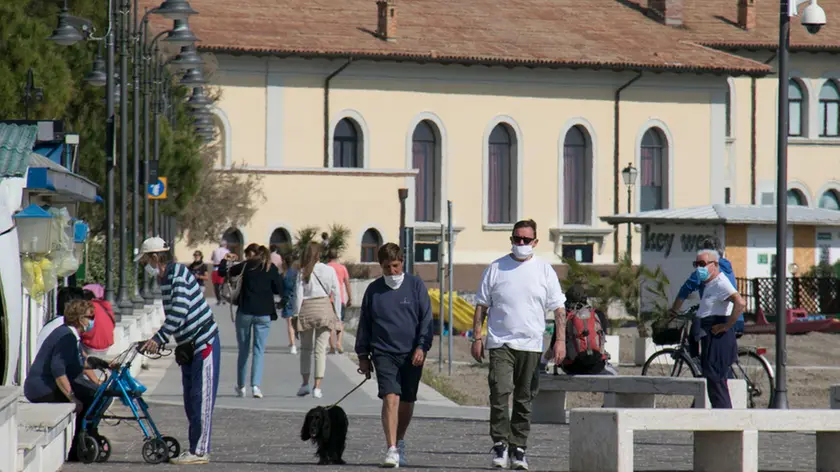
<point>757,373</point>
<point>671,363</point>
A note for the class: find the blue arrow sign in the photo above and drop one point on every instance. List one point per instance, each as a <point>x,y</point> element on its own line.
<point>157,190</point>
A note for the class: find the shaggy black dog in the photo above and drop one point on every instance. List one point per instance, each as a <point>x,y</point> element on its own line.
<point>326,427</point>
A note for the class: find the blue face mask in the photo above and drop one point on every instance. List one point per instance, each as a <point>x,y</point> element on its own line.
<point>702,273</point>
<point>89,325</point>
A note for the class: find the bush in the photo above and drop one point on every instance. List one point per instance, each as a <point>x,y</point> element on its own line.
<point>95,268</point>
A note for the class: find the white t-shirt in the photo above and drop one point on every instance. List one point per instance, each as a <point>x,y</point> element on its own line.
<point>48,328</point>
<point>323,276</point>
<point>715,297</point>
<point>518,295</point>
<point>218,255</point>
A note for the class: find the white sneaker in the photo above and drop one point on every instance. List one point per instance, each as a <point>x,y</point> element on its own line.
<point>240,391</point>
<point>188,458</point>
<point>303,390</point>
<point>500,455</point>
<point>401,449</point>
<point>517,460</point>
<point>392,459</point>
<point>293,349</point>
<point>317,393</point>
<point>257,392</point>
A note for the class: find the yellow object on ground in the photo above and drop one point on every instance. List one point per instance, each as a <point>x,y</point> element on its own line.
<point>462,311</point>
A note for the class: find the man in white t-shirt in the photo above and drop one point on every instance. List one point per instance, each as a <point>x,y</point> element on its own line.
<point>719,310</point>
<point>216,257</point>
<point>515,293</point>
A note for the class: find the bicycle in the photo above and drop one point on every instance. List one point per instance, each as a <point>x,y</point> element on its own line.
<point>751,365</point>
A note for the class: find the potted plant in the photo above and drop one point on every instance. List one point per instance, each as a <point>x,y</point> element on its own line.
<point>656,285</point>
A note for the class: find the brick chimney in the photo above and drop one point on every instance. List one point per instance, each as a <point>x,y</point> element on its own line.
<point>747,14</point>
<point>668,12</point>
<point>387,19</point>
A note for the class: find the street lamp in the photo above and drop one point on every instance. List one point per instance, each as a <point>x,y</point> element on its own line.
<point>176,10</point>
<point>629,175</point>
<point>199,99</point>
<point>66,33</point>
<point>180,35</point>
<point>97,76</point>
<point>187,59</point>
<point>193,77</point>
<point>813,18</point>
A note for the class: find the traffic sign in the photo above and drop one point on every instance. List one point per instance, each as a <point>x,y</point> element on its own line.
<point>157,190</point>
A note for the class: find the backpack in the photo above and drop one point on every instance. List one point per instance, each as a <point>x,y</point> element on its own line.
<point>584,337</point>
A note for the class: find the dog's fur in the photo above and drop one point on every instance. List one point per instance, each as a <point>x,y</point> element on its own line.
<point>326,427</point>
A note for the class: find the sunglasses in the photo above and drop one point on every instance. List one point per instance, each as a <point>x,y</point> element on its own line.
<point>702,263</point>
<point>521,240</point>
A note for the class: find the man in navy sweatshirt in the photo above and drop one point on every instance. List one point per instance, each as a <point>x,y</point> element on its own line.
<point>393,337</point>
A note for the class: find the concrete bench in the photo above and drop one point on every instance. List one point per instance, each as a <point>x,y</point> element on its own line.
<point>724,440</point>
<point>623,391</point>
<point>8,427</point>
<point>45,432</point>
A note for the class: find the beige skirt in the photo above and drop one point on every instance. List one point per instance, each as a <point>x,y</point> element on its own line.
<point>316,313</point>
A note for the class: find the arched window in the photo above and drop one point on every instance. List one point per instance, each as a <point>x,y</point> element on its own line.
<point>830,200</point>
<point>795,99</point>
<point>501,182</point>
<point>654,172</point>
<point>280,237</point>
<point>235,241</point>
<point>371,241</point>
<point>426,158</point>
<point>829,110</point>
<point>577,177</point>
<point>795,197</point>
<point>347,144</point>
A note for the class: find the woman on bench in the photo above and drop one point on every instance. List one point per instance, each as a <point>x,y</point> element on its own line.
<point>55,375</point>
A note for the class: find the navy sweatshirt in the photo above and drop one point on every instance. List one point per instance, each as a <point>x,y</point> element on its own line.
<point>59,355</point>
<point>395,321</point>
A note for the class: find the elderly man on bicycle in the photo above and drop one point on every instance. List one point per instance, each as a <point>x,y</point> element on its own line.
<point>720,308</point>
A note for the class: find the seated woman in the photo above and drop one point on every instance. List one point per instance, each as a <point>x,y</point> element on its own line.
<point>56,373</point>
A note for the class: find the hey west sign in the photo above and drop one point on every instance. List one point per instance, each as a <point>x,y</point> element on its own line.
<point>673,248</point>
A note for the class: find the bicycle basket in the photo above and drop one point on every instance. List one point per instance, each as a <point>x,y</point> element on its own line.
<point>665,332</point>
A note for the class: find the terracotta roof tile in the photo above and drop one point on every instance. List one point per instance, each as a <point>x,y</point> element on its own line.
<point>609,34</point>
<point>715,23</point>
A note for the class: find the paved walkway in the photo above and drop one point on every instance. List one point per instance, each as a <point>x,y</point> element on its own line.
<point>263,435</point>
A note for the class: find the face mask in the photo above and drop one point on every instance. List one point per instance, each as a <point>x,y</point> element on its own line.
<point>89,325</point>
<point>151,270</point>
<point>522,252</point>
<point>702,273</point>
<point>394,281</point>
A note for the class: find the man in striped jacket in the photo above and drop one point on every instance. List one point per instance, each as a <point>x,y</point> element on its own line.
<point>189,320</point>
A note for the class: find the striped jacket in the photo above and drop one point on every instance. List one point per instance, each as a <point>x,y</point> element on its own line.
<point>186,310</point>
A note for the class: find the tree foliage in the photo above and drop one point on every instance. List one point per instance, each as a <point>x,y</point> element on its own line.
<point>194,189</point>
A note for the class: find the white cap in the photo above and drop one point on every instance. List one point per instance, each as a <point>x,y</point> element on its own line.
<point>150,245</point>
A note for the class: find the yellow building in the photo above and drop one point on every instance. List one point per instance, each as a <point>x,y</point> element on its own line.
<point>513,110</point>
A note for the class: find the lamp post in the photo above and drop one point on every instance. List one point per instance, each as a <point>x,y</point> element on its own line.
<point>813,18</point>
<point>31,93</point>
<point>66,34</point>
<point>629,175</point>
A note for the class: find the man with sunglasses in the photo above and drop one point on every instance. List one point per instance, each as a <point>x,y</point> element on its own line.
<point>720,307</point>
<point>515,293</point>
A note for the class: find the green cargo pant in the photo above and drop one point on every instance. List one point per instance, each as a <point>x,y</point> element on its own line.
<point>512,371</point>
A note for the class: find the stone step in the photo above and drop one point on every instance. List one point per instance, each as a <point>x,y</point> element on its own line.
<point>28,450</point>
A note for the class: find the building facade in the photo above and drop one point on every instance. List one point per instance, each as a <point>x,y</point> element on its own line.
<point>531,112</point>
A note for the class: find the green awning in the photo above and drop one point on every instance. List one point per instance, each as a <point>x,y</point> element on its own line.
<point>16,142</point>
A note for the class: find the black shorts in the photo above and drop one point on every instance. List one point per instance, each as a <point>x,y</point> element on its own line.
<point>395,374</point>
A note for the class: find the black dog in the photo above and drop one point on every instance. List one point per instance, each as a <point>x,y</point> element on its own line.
<point>326,427</point>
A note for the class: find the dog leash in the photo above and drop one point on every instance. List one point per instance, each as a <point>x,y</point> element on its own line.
<point>350,392</point>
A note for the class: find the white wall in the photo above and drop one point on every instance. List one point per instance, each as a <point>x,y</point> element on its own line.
<point>673,248</point>
<point>761,247</point>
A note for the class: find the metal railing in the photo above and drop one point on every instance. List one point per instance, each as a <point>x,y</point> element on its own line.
<point>812,294</point>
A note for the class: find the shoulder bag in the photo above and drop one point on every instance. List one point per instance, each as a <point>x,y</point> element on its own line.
<point>234,289</point>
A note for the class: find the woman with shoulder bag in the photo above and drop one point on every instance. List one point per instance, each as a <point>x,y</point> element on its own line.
<point>316,286</point>
<point>260,282</point>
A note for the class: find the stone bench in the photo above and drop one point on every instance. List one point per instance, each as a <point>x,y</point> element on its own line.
<point>8,427</point>
<point>45,435</point>
<point>724,440</point>
<point>622,391</point>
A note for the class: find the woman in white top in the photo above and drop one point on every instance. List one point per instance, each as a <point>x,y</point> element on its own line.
<point>318,302</point>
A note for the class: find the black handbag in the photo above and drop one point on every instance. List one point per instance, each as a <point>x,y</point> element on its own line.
<point>185,353</point>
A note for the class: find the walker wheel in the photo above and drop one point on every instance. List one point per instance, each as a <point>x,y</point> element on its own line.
<point>87,449</point>
<point>172,446</point>
<point>104,449</point>
<point>154,451</point>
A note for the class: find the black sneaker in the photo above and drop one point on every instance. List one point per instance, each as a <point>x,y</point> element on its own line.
<point>500,455</point>
<point>518,461</point>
